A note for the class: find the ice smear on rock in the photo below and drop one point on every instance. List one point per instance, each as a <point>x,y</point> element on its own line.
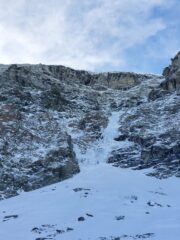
<point>99,151</point>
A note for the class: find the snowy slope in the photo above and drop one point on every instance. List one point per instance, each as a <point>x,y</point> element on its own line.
<point>102,202</point>
<point>142,204</point>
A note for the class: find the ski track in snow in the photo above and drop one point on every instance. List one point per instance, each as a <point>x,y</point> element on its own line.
<point>107,201</point>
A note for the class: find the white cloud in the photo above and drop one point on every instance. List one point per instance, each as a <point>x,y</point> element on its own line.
<point>88,34</point>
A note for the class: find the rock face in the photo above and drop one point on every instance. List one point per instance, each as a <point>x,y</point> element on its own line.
<point>47,112</point>
<point>40,108</point>
<point>172,75</point>
<point>152,128</point>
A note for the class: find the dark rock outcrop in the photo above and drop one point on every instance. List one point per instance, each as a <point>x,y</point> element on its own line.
<point>152,128</point>
<point>172,75</point>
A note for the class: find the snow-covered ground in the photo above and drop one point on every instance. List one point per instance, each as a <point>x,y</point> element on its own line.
<point>101,202</point>
<point>119,202</point>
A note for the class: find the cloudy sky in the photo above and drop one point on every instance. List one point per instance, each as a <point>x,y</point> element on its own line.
<point>97,35</point>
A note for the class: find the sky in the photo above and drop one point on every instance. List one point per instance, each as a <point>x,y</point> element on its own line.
<point>95,35</point>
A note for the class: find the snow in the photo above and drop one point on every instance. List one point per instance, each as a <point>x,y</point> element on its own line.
<point>142,204</point>
<point>98,152</point>
<point>112,192</point>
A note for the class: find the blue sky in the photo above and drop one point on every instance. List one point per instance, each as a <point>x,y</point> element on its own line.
<point>96,35</point>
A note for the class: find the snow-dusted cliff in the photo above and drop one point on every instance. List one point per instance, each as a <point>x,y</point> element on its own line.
<point>56,122</point>
<point>49,114</point>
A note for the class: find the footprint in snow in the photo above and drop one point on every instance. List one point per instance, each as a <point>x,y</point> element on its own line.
<point>131,198</point>
<point>130,237</point>
<point>81,219</point>
<point>51,230</point>
<point>85,191</point>
<point>152,204</point>
<point>158,193</point>
<point>81,189</point>
<point>118,218</point>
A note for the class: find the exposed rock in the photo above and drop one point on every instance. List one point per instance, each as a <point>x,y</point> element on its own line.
<point>81,219</point>
<point>172,75</point>
<point>152,128</point>
<point>7,218</point>
<point>69,229</point>
<point>118,218</point>
<point>48,111</point>
<point>89,215</point>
